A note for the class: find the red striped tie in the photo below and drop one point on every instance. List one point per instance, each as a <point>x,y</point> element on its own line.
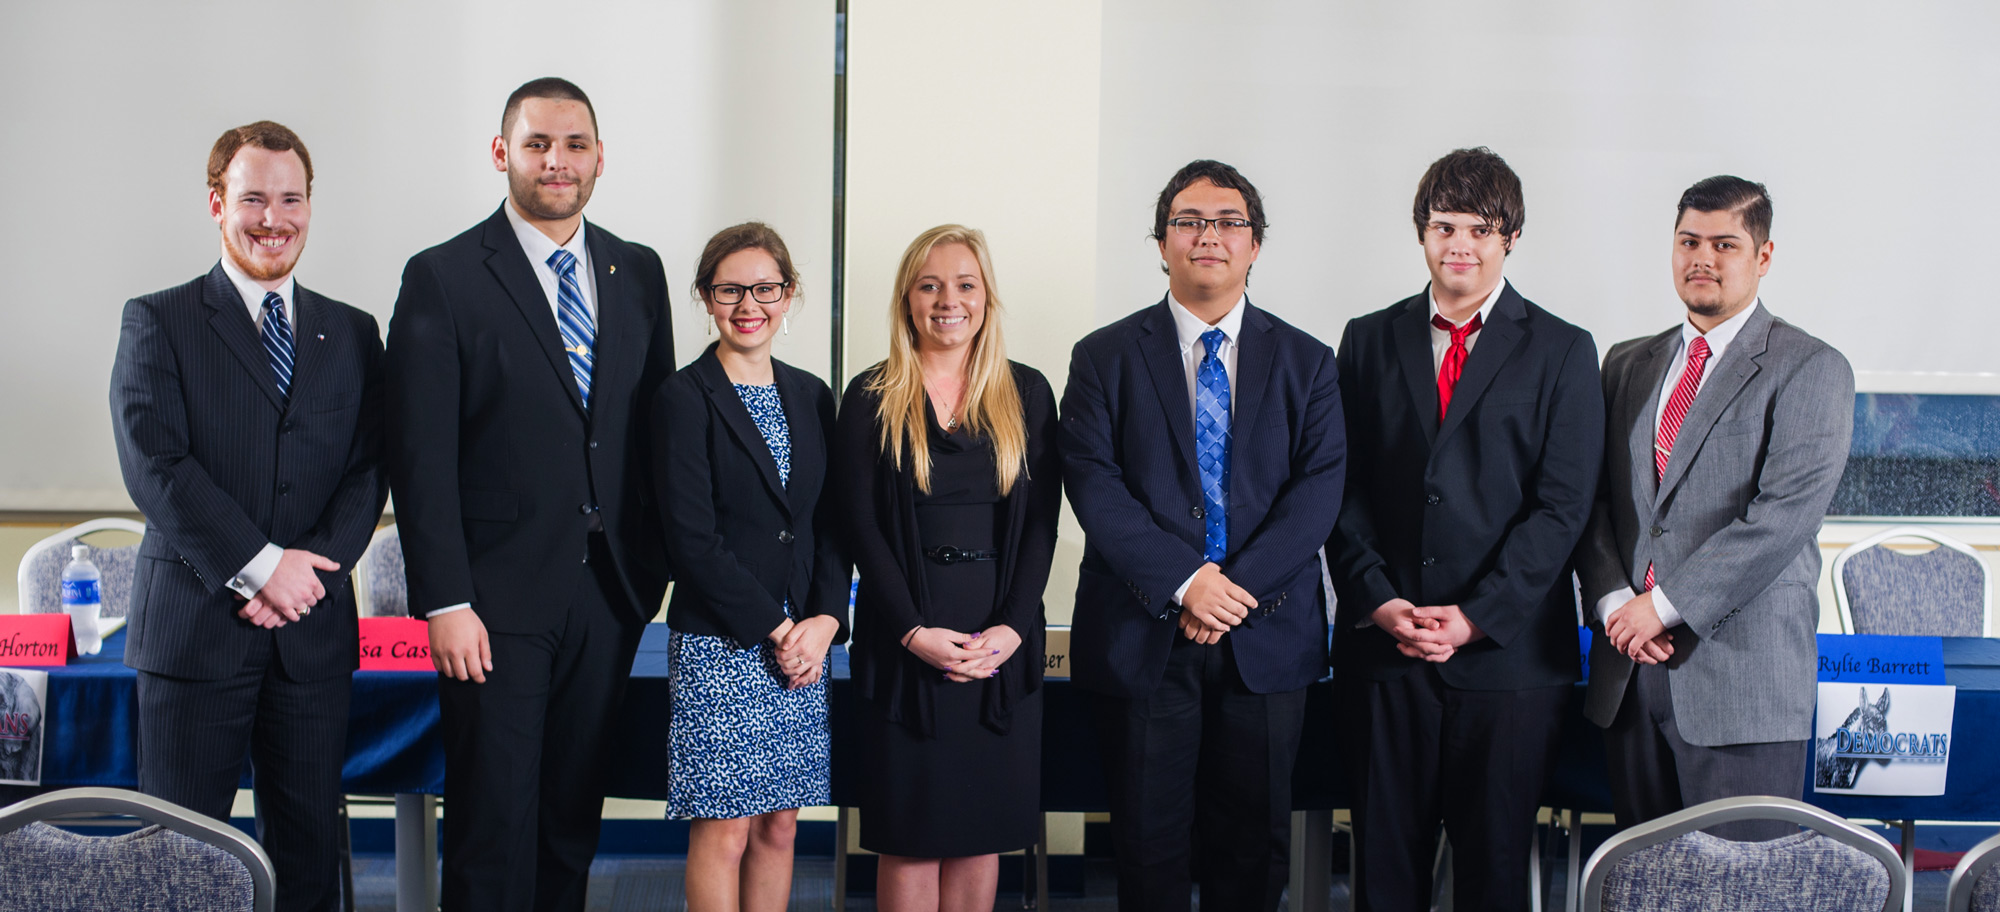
<point>1453,365</point>
<point>1676,412</point>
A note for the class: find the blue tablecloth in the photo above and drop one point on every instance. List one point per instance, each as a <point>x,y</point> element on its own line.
<point>393,744</point>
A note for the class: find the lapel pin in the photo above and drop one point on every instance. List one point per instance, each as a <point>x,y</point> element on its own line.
<point>614,269</point>
<point>322,336</point>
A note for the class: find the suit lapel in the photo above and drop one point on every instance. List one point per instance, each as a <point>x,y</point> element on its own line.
<point>1161,347</point>
<point>1496,342</point>
<point>231,321</point>
<point>1737,366</point>
<point>1639,403</point>
<point>509,264</point>
<point>616,317</point>
<point>802,424</point>
<point>310,313</point>
<point>1253,370</point>
<point>1412,332</point>
<point>722,395</point>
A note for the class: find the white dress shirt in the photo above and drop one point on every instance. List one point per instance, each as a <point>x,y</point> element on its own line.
<point>1441,339</point>
<point>1189,328</point>
<point>257,572</point>
<point>1718,342</point>
<point>538,248</point>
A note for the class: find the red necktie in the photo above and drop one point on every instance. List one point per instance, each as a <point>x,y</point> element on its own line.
<point>1676,412</point>
<point>1454,359</point>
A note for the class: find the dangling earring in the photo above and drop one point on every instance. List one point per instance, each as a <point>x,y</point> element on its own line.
<point>786,323</point>
<point>710,324</point>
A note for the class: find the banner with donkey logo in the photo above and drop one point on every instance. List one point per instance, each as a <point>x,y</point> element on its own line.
<point>1885,714</point>
<point>24,699</point>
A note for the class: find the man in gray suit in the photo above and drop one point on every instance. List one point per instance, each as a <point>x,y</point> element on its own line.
<point>1725,437</point>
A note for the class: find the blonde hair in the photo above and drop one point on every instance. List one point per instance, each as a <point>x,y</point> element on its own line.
<point>992,403</point>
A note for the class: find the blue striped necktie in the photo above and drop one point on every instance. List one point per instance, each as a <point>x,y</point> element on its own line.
<point>579,331</point>
<point>1211,445</point>
<point>277,335</point>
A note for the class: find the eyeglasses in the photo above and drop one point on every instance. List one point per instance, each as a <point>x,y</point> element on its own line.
<point>1189,226</point>
<point>762,292</point>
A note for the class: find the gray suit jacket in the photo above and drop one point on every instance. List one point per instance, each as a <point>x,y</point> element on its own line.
<point>1731,529</point>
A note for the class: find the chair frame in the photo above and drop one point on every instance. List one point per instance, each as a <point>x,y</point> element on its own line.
<point>1840,598</point>
<point>1977,861</point>
<point>100,801</point>
<point>1729,810</point>
<point>67,537</point>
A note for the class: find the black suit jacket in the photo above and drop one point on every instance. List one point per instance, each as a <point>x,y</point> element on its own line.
<point>1129,467</point>
<point>744,541</point>
<point>496,465</point>
<point>1482,511</point>
<point>221,466</point>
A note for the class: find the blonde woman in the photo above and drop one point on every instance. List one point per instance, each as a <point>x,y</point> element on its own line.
<point>946,455</point>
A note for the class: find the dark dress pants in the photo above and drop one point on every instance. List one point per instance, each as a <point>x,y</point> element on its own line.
<point>1200,774</point>
<point>192,739</point>
<point>1655,772</point>
<point>1419,753</point>
<point>525,751</point>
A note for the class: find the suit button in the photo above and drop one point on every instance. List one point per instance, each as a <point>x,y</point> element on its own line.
<point>784,536</point>
<point>284,487</point>
<point>1657,531</point>
<point>593,444</point>
<point>583,509</point>
<point>1428,561</point>
<point>286,427</point>
<point>1432,499</point>
<point>1198,513</point>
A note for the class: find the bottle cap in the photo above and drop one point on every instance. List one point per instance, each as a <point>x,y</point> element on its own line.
<point>79,552</point>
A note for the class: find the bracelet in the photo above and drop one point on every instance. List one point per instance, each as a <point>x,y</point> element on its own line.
<point>911,635</point>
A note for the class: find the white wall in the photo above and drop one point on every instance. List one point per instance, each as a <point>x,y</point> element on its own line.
<point>711,111</point>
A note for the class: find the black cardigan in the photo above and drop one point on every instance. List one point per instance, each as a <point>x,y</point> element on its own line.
<point>740,541</point>
<point>880,501</point>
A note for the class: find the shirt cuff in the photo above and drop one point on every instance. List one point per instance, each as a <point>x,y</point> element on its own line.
<point>1613,602</point>
<point>1665,608</point>
<point>255,574</point>
<point>461,606</point>
<point>1182,591</point>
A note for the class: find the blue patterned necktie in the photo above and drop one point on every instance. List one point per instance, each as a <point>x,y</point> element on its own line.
<point>579,331</point>
<point>1211,444</point>
<point>277,333</point>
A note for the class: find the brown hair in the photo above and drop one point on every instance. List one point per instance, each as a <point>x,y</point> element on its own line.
<point>736,238</point>
<point>263,134</point>
<point>1475,181</point>
<point>554,87</point>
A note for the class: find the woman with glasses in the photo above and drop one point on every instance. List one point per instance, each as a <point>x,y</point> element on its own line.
<point>760,590</point>
<point>945,453</point>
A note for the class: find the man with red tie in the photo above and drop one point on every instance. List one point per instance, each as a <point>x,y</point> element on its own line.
<point>1727,435</point>
<point>1475,422</point>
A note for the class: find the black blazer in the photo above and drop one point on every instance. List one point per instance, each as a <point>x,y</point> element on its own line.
<point>880,502</point>
<point>743,541</point>
<point>221,467</point>
<point>1483,511</point>
<point>495,463</point>
<point>1128,462</point>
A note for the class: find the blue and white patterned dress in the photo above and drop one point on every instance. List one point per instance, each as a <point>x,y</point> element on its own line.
<point>741,744</point>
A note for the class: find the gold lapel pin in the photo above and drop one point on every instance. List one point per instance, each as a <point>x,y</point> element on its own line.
<point>614,269</point>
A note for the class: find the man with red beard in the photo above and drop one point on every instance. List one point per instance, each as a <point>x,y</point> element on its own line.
<point>248,421</point>
<point>522,358</point>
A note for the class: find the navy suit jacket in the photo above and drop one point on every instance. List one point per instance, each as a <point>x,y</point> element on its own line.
<point>1129,467</point>
<point>221,466</point>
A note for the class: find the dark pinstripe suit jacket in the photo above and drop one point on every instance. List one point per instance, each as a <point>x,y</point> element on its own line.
<point>220,466</point>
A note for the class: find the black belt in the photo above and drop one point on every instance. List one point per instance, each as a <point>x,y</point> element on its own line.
<point>948,555</point>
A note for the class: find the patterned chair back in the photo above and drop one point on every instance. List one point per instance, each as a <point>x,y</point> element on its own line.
<point>379,576</point>
<point>1941,592</point>
<point>40,575</point>
<point>185,862</point>
<point>1975,883</point>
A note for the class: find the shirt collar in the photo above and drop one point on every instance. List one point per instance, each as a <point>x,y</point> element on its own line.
<point>1189,327</point>
<point>1485,310</point>
<point>1723,333</point>
<point>537,245</point>
<point>253,293</point>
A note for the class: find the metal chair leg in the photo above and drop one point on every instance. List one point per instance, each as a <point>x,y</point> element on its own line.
<point>840,825</point>
<point>346,859</point>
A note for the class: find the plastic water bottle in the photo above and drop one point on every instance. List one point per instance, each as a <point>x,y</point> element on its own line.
<point>81,599</point>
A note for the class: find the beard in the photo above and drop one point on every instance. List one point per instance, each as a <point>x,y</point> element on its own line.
<point>262,271</point>
<point>526,189</point>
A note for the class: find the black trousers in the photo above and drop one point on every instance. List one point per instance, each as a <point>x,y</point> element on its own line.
<point>1420,752</point>
<point>1655,772</point>
<point>1200,774</point>
<point>524,754</point>
<point>193,736</point>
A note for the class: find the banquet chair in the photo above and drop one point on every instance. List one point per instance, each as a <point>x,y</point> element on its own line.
<point>1941,592</point>
<point>1975,883</point>
<point>1669,864</point>
<point>39,579</point>
<point>182,862</point>
<point>379,579</point>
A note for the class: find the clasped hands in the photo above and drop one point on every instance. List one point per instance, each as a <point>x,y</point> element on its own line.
<point>1433,633</point>
<point>291,592</point>
<point>964,657</point>
<point>1634,628</point>
<point>801,648</point>
<point>1212,605</point>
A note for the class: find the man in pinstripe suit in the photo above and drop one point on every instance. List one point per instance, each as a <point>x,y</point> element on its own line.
<point>247,415</point>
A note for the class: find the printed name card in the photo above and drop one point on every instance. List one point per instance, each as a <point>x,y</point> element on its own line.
<point>1055,661</point>
<point>36,639</point>
<point>1885,714</point>
<point>395,644</point>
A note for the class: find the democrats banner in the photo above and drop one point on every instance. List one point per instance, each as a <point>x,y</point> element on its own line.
<point>1885,714</point>
<point>24,698</point>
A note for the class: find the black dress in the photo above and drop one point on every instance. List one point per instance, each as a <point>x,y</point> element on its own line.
<point>953,769</point>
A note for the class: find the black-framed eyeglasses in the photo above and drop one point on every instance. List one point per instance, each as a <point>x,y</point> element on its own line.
<point>1190,226</point>
<point>762,292</point>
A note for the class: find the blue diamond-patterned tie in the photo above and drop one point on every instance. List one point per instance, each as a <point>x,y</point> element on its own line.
<point>277,333</point>
<point>579,331</point>
<point>1211,444</point>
